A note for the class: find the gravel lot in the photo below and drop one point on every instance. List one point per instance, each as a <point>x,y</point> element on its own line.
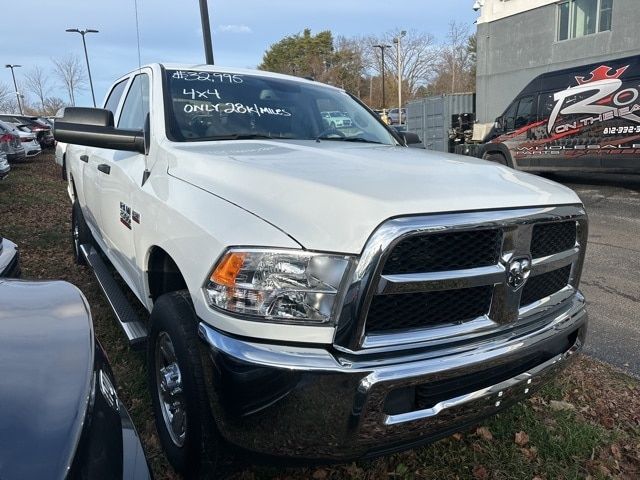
<point>611,277</point>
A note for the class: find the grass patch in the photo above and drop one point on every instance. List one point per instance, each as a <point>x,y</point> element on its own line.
<point>598,435</point>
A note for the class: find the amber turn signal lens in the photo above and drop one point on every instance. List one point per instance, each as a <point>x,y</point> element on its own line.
<point>227,270</point>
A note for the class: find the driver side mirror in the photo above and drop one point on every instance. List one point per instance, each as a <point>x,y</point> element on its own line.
<point>411,139</point>
<point>93,127</point>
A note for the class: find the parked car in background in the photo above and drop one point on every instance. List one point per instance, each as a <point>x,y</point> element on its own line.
<point>4,166</point>
<point>41,129</point>
<point>29,141</point>
<point>394,116</point>
<point>9,256</point>
<point>10,144</point>
<point>336,119</point>
<point>61,417</point>
<point>383,114</point>
<point>27,138</point>
<point>47,121</point>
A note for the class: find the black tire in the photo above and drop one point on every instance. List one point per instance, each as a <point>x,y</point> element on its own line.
<point>64,167</point>
<point>195,453</point>
<point>80,233</point>
<point>496,158</point>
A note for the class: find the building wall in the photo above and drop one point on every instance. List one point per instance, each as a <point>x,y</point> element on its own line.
<point>495,9</point>
<point>514,50</point>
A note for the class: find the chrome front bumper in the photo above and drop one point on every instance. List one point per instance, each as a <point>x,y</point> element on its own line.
<point>316,404</point>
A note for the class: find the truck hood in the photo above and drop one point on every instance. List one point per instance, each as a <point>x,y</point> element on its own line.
<point>331,195</point>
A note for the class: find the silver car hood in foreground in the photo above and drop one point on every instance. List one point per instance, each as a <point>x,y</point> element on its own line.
<point>331,195</point>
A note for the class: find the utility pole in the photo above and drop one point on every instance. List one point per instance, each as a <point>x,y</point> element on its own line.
<point>382,47</point>
<point>206,32</point>
<point>398,50</point>
<point>15,85</point>
<point>86,56</point>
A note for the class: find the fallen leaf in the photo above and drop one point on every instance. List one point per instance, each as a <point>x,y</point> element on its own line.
<point>457,436</point>
<point>521,438</point>
<point>319,474</point>
<point>615,451</point>
<point>480,472</point>
<point>530,453</point>
<point>608,422</point>
<point>559,405</point>
<point>484,433</point>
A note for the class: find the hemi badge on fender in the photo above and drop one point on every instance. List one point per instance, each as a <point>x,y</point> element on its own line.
<point>125,215</point>
<point>135,216</point>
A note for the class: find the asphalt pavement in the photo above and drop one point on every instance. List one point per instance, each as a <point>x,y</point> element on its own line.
<point>611,275</point>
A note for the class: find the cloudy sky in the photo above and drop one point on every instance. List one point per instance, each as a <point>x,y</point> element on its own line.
<point>33,31</point>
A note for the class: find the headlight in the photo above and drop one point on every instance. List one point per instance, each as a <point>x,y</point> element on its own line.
<point>284,286</point>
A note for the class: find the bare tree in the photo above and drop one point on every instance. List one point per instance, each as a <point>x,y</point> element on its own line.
<point>36,82</point>
<point>7,98</point>
<point>52,105</point>
<point>456,71</point>
<point>419,55</point>
<point>71,74</point>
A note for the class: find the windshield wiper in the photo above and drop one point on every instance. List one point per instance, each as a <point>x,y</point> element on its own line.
<point>239,136</point>
<point>349,139</point>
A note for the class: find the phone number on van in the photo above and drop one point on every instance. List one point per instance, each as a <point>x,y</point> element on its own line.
<point>621,130</point>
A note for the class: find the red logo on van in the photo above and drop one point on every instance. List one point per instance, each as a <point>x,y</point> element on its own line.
<point>601,73</point>
<point>598,98</point>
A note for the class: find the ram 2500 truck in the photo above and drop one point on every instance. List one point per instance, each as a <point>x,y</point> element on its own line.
<point>315,292</point>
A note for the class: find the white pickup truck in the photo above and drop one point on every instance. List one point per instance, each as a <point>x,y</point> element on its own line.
<point>318,293</point>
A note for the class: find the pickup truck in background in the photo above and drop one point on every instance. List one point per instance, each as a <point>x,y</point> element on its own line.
<point>315,292</point>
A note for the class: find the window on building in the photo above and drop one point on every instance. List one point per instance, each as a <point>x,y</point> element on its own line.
<point>577,18</point>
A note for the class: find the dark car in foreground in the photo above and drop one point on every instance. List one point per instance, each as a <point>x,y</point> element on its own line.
<point>9,260</point>
<point>61,417</point>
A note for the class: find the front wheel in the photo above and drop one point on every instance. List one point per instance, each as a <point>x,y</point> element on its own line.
<point>177,387</point>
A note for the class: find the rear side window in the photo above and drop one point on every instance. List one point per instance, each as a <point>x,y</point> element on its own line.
<point>136,105</point>
<point>115,95</point>
<point>545,105</point>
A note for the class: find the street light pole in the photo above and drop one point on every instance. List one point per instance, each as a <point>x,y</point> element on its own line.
<point>398,50</point>
<point>86,55</point>
<point>206,32</point>
<point>382,47</point>
<point>15,85</point>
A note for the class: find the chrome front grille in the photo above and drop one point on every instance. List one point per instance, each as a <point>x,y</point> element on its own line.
<point>541,286</point>
<point>440,252</point>
<point>550,238</point>
<point>433,279</point>
<point>407,310</point>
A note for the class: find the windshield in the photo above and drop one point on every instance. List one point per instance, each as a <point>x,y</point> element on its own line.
<point>207,105</point>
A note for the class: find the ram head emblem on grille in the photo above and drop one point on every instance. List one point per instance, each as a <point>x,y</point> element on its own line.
<point>519,270</point>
